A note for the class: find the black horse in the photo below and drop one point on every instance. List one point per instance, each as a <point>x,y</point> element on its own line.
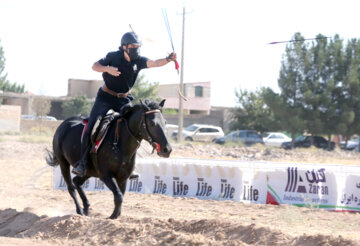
<point>116,155</point>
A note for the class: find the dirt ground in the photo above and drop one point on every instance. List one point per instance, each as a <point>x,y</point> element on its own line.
<point>32,213</point>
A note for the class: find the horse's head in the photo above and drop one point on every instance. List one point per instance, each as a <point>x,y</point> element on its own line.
<point>152,126</point>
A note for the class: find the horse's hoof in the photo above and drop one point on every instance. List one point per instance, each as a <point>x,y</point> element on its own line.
<point>80,212</point>
<point>113,216</point>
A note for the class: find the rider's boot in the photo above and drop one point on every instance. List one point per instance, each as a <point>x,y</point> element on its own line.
<point>134,175</point>
<point>80,167</point>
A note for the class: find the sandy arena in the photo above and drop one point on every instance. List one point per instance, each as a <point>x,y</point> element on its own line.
<point>32,213</point>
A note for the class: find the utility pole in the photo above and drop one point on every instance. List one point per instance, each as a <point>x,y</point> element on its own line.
<point>181,113</point>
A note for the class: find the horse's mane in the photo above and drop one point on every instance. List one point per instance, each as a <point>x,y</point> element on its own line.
<point>152,104</point>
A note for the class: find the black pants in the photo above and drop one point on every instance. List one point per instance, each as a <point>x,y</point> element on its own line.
<point>103,103</point>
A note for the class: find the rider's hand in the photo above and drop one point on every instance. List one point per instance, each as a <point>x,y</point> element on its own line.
<point>113,71</point>
<point>171,57</point>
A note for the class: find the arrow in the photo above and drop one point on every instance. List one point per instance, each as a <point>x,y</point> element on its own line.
<point>297,40</point>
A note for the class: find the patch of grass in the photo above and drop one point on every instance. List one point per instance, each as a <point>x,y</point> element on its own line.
<point>311,149</point>
<point>10,133</point>
<point>36,139</point>
<point>234,144</point>
<point>42,131</point>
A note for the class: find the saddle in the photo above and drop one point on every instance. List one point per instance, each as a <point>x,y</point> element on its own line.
<point>100,129</point>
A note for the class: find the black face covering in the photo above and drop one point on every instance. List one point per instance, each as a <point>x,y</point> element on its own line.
<point>133,53</point>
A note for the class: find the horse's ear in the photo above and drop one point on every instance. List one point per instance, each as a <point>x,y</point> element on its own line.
<point>144,104</point>
<point>126,109</point>
<point>161,104</point>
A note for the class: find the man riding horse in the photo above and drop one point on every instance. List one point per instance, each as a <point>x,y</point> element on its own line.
<point>119,70</point>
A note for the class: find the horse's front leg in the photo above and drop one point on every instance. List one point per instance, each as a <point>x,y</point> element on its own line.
<point>111,183</point>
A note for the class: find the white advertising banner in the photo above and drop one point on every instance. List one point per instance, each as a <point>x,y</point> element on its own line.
<point>302,185</point>
<point>332,187</point>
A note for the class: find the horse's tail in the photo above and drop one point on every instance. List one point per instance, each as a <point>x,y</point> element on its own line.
<point>51,159</point>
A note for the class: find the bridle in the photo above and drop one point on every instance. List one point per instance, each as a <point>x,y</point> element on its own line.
<point>156,146</point>
<point>144,132</point>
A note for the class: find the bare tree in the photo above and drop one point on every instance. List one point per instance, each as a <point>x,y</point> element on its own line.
<point>41,106</point>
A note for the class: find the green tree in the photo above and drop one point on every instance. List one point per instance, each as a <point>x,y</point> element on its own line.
<point>5,85</point>
<point>143,89</point>
<point>76,106</point>
<point>333,112</point>
<point>252,113</point>
<point>313,88</point>
<point>288,105</point>
<point>289,114</point>
<point>350,90</point>
<point>2,67</point>
<point>319,87</point>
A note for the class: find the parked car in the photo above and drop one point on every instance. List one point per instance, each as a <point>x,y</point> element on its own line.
<point>46,118</point>
<point>33,117</point>
<point>275,138</point>
<point>247,137</point>
<point>305,142</point>
<point>199,132</point>
<point>352,144</point>
<point>28,117</point>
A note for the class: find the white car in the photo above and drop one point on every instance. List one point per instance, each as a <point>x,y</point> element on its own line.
<point>352,144</point>
<point>275,138</point>
<point>198,132</point>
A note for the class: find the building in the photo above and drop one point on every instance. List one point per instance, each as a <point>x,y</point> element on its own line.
<point>197,95</point>
<point>80,87</point>
<point>197,108</point>
<point>25,101</point>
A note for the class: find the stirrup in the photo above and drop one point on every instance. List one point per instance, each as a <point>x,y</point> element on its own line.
<point>134,175</point>
<point>80,168</point>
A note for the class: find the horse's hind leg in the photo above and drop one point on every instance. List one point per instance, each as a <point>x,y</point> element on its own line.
<point>111,183</point>
<point>65,170</point>
<point>78,182</point>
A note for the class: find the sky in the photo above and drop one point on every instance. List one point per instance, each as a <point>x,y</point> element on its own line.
<point>47,42</point>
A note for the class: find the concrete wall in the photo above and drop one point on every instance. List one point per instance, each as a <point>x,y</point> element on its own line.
<point>23,101</point>
<point>79,87</point>
<point>10,118</point>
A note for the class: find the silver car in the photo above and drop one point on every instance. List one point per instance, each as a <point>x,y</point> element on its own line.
<point>199,132</point>
<point>275,138</point>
